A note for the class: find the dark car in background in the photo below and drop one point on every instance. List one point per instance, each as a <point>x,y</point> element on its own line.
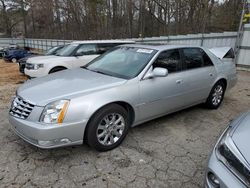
<point>1,52</point>
<point>51,51</point>
<point>13,55</point>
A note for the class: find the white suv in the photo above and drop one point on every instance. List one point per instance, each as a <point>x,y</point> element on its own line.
<point>75,55</point>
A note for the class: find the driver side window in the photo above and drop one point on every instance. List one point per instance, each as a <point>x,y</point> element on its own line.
<point>170,60</point>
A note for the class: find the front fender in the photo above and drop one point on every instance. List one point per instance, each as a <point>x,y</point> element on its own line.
<point>83,107</point>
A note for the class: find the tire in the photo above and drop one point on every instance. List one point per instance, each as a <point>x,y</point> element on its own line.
<point>56,69</point>
<point>216,95</point>
<point>101,125</point>
<point>14,60</point>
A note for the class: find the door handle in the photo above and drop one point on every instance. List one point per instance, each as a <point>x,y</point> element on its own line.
<point>179,81</point>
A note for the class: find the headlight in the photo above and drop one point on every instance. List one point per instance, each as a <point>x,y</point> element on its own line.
<point>37,66</point>
<point>33,66</point>
<point>54,112</point>
<point>230,156</point>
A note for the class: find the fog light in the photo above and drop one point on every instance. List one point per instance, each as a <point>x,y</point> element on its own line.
<point>45,143</point>
<point>213,180</point>
<point>65,140</point>
<point>54,142</point>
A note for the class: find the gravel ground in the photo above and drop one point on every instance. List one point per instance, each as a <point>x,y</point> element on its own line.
<point>171,151</point>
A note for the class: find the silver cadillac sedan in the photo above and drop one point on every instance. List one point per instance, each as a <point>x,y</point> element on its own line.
<point>229,164</point>
<point>124,87</point>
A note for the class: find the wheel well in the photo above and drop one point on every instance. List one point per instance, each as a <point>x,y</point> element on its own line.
<point>129,109</point>
<point>125,105</point>
<point>57,67</point>
<point>224,81</point>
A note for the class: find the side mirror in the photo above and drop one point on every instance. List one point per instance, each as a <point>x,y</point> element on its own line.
<point>156,72</point>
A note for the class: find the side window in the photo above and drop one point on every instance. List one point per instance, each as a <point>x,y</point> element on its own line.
<point>206,59</point>
<point>169,59</point>
<point>230,54</point>
<point>86,49</point>
<point>192,58</point>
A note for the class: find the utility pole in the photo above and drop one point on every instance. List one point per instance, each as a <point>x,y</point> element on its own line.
<point>24,17</point>
<point>244,14</point>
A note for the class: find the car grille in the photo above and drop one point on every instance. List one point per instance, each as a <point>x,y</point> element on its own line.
<point>28,66</point>
<point>21,108</point>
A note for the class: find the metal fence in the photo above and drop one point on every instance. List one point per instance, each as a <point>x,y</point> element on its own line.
<point>5,42</point>
<point>243,56</point>
<point>44,44</point>
<point>207,40</point>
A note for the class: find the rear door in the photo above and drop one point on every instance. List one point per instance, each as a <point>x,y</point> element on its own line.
<point>198,75</point>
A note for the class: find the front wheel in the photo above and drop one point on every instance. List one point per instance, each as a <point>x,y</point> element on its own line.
<point>216,95</point>
<point>107,128</point>
<point>14,60</point>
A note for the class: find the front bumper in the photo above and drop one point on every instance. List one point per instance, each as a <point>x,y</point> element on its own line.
<point>35,73</point>
<point>226,178</point>
<point>21,67</point>
<point>6,58</point>
<point>48,136</point>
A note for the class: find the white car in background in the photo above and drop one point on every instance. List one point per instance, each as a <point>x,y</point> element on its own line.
<point>75,55</point>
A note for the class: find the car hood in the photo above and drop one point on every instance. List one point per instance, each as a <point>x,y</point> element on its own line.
<point>28,57</point>
<point>47,59</point>
<point>241,136</point>
<point>65,84</point>
<point>40,59</point>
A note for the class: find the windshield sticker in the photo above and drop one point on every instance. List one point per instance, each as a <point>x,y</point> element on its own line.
<point>144,51</point>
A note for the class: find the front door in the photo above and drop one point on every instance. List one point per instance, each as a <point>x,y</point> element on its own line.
<point>161,95</point>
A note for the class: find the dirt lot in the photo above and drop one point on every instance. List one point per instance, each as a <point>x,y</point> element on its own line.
<point>10,78</point>
<point>171,151</point>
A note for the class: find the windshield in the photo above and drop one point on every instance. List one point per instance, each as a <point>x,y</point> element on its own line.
<point>67,50</point>
<point>53,50</point>
<point>123,62</point>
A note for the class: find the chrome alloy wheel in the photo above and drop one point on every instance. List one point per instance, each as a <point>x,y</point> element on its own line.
<point>110,129</point>
<point>217,95</point>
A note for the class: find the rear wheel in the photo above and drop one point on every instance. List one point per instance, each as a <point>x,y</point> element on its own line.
<point>107,128</point>
<point>56,69</point>
<point>216,95</point>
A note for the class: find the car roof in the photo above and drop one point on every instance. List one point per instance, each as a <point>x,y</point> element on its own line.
<point>102,41</point>
<point>159,47</point>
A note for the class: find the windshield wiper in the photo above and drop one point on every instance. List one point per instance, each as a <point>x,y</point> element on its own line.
<point>83,67</point>
<point>97,71</point>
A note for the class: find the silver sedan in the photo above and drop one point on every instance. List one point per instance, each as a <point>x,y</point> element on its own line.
<point>229,164</point>
<point>127,86</point>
